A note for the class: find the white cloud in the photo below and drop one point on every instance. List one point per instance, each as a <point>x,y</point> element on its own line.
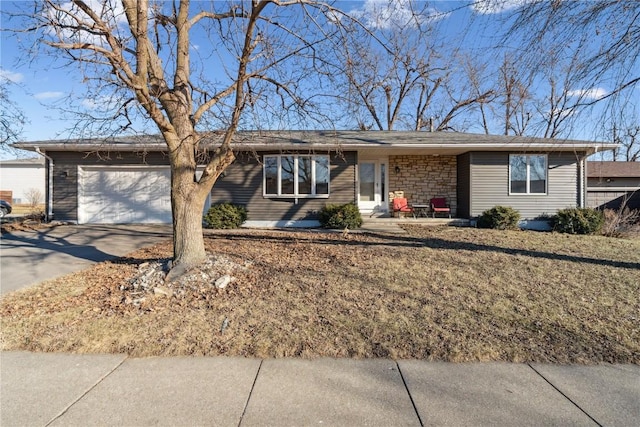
<point>11,76</point>
<point>492,7</point>
<point>112,14</point>
<point>593,93</point>
<point>48,95</point>
<point>383,14</point>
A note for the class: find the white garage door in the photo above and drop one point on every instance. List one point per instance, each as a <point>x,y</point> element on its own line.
<point>124,195</point>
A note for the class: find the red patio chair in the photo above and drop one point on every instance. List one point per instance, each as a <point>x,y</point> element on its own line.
<point>439,205</point>
<point>401,205</point>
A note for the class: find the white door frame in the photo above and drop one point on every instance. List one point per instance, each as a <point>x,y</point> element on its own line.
<point>378,202</point>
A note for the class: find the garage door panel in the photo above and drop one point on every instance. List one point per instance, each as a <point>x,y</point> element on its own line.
<point>121,195</point>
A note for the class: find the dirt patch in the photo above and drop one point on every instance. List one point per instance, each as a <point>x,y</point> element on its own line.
<point>436,294</point>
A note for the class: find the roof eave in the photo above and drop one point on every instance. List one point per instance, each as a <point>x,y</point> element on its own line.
<point>588,148</point>
<point>527,145</point>
<point>47,146</point>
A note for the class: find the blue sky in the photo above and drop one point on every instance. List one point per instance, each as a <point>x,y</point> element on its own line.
<point>41,85</point>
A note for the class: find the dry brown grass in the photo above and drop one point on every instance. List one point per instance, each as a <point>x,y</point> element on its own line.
<point>26,209</point>
<point>438,294</point>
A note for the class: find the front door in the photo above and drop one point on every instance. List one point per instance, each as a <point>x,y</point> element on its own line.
<point>372,195</point>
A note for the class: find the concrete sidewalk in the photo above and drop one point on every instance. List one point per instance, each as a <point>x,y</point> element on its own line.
<point>113,390</point>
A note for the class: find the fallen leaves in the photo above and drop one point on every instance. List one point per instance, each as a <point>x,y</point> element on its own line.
<point>437,294</point>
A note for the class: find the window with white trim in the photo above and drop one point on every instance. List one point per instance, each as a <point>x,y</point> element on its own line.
<point>527,174</point>
<point>296,175</point>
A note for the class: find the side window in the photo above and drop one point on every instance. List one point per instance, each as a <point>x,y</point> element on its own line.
<point>527,173</point>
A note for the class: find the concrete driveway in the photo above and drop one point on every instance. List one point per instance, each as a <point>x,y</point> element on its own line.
<point>30,257</point>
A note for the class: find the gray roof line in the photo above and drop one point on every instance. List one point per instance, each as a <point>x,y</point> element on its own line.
<point>355,139</point>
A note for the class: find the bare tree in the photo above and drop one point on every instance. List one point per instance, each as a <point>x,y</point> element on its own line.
<point>34,198</point>
<point>138,57</point>
<point>559,108</point>
<point>629,140</point>
<point>380,79</point>
<point>539,102</point>
<point>478,80</point>
<point>510,108</point>
<point>612,29</point>
<point>625,131</point>
<point>12,119</point>
<point>514,98</point>
<point>407,81</point>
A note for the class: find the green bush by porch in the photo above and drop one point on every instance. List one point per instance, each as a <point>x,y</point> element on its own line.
<point>499,217</point>
<point>340,216</point>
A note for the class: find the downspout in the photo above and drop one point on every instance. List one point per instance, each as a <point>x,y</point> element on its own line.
<point>583,178</point>
<point>583,187</point>
<point>50,186</point>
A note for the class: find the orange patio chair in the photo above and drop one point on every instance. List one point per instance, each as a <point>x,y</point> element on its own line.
<point>439,205</point>
<point>401,205</point>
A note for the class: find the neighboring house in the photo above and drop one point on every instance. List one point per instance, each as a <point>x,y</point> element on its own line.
<point>23,177</point>
<point>285,178</point>
<point>609,184</point>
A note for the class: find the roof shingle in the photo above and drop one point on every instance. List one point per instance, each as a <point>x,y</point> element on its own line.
<point>609,169</point>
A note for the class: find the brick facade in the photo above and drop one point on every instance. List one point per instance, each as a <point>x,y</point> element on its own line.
<point>424,177</point>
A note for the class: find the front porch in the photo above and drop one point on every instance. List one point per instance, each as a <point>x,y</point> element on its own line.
<point>422,177</point>
<point>418,178</point>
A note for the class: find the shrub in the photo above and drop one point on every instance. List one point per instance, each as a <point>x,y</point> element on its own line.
<point>225,215</point>
<point>340,216</point>
<point>499,217</point>
<point>578,221</point>
<point>623,222</point>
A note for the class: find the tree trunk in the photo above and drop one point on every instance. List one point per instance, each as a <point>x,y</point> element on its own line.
<point>187,205</point>
<point>188,240</point>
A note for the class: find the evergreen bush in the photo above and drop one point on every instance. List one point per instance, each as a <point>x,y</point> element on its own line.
<point>499,217</point>
<point>225,215</point>
<point>578,221</point>
<point>340,216</point>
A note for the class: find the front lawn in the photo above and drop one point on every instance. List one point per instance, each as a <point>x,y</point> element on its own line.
<point>453,294</point>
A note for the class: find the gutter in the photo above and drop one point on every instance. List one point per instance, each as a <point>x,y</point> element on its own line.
<point>49,214</point>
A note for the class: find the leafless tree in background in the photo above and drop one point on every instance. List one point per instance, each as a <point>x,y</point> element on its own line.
<point>625,131</point>
<point>514,98</point>
<point>34,199</point>
<point>629,140</point>
<point>606,33</point>
<point>409,81</point>
<point>12,119</point>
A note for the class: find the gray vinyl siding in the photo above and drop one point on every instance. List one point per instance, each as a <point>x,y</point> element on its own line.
<point>612,193</point>
<point>464,185</point>
<point>603,199</point>
<point>630,182</point>
<point>65,175</point>
<point>490,185</point>
<point>242,184</point>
